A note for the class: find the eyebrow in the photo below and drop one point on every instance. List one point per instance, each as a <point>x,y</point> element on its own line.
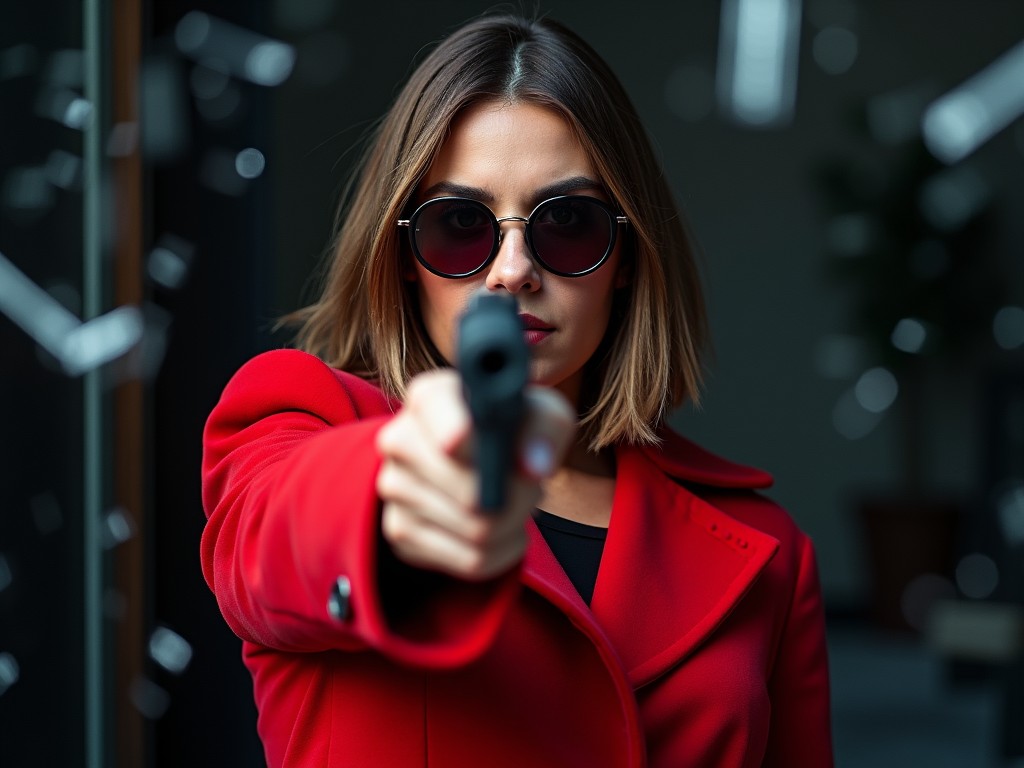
<point>568,186</point>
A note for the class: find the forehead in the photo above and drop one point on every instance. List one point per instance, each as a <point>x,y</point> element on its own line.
<point>498,144</point>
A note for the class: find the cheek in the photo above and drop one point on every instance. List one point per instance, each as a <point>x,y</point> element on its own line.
<point>441,303</point>
<point>600,298</point>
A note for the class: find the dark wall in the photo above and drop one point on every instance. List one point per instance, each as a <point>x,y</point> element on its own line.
<point>219,317</point>
<point>41,409</point>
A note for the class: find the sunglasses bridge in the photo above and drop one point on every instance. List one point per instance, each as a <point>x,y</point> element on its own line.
<point>498,220</point>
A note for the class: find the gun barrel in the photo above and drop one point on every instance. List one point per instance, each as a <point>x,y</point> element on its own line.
<point>493,361</point>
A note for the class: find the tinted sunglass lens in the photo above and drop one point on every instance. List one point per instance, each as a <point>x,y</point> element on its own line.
<point>454,237</point>
<point>572,235</point>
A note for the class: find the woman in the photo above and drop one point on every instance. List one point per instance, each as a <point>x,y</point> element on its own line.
<point>388,621</point>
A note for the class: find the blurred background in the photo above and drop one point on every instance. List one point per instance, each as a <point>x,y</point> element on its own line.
<point>853,170</point>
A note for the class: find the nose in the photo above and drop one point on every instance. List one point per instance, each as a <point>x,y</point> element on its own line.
<point>513,267</point>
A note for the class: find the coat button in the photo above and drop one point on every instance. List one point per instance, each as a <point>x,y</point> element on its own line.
<point>338,605</point>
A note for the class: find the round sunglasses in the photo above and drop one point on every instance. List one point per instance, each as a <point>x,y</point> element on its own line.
<point>457,237</point>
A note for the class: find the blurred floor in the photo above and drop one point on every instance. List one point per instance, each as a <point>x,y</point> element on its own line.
<point>894,704</point>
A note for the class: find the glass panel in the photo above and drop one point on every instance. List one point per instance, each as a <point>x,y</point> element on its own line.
<point>46,379</point>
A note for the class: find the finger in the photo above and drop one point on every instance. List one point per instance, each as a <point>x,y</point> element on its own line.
<point>404,441</point>
<point>436,401</point>
<point>434,506</point>
<point>547,433</point>
<point>396,483</point>
<point>420,544</point>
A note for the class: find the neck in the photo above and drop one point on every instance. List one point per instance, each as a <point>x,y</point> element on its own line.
<point>581,459</point>
<point>583,488</point>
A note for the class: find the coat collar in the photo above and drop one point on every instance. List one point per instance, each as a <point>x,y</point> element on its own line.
<point>685,460</point>
<point>673,567</point>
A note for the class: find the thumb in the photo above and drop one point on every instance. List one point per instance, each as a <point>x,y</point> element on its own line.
<point>547,433</point>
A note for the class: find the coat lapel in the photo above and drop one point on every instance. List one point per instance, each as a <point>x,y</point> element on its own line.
<point>543,573</point>
<point>673,566</point>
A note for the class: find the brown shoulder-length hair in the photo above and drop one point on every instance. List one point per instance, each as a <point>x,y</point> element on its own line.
<point>367,319</point>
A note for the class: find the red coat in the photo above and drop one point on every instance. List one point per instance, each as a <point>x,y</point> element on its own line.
<point>704,644</point>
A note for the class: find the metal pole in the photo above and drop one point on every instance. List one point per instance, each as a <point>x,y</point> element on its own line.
<point>93,448</point>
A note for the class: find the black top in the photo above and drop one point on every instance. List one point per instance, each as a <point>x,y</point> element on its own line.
<point>577,547</point>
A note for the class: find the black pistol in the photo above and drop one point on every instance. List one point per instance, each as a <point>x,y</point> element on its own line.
<point>494,363</point>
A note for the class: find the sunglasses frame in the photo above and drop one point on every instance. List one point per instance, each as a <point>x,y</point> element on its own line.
<point>615,220</point>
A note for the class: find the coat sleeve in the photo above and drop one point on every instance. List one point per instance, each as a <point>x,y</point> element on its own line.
<point>288,475</point>
<point>800,734</point>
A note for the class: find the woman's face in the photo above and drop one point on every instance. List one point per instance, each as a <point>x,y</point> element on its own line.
<point>512,156</point>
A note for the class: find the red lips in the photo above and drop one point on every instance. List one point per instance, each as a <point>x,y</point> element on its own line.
<point>535,330</point>
<point>531,323</point>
